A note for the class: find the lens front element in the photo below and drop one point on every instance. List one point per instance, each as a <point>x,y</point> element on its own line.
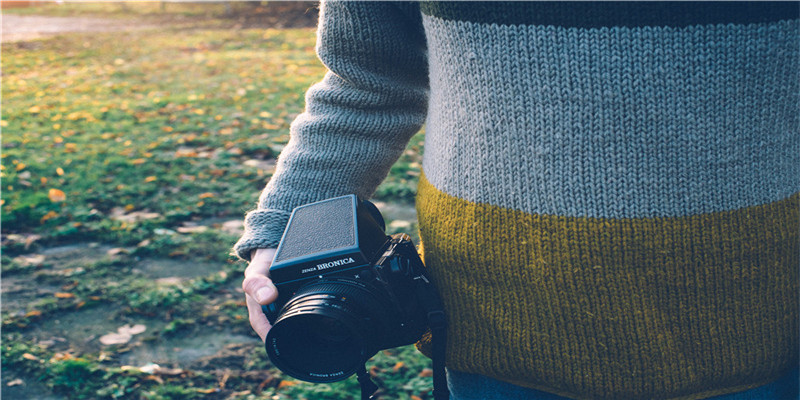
<point>322,334</point>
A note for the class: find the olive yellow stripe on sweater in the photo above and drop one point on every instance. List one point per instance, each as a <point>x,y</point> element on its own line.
<point>616,306</point>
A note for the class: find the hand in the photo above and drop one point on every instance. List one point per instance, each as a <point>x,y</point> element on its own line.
<point>259,289</point>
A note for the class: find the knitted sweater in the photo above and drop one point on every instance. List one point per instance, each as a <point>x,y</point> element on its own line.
<point>610,191</point>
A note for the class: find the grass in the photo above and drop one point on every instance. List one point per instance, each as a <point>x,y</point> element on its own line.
<point>124,144</point>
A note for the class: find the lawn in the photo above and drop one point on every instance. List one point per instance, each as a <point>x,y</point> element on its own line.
<point>128,162</point>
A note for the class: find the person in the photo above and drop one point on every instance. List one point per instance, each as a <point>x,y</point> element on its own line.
<point>609,198</point>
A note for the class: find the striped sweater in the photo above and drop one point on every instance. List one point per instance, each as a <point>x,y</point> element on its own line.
<point>610,191</point>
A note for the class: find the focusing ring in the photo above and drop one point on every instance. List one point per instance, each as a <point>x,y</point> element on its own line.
<point>356,306</point>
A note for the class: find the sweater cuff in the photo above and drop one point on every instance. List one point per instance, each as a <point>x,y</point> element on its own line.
<point>262,229</point>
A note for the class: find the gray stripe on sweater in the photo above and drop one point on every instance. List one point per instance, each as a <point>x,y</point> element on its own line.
<point>613,122</point>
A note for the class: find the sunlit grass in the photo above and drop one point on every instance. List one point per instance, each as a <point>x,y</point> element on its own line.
<point>125,139</point>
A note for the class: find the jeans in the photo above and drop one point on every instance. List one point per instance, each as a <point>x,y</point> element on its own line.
<point>464,386</point>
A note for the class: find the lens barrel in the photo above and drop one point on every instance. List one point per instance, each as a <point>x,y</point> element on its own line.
<point>327,330</point>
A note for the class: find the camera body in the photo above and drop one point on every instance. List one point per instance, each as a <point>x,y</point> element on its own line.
<point>346,291</point>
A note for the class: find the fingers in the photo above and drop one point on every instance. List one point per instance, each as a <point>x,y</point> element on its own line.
<point>260,262</point>
<point>259,290</point>
<point>257,319</point>
<point>256,283</point>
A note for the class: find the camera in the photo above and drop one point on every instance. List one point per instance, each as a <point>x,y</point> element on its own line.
<point>346,291</point>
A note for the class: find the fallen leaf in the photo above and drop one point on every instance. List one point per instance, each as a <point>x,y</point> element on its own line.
<point>62,357</point>
<point>171,371</point>
<point>426,373</point>
<point>62,295</point>
<point>206,195</point>
<point>149,368</point>
<point>285,384</point>
<point>56,195</point>
<point>114,338</point>
<point>33,313</point>
<point>15,382</point>
<point>30,259</point>
<point>398,366</point>
<point>49,215</point>
<point>192,229</point>
<point>150,179</point>
<point>186,153</point>
<point>29,356</point>
<point>119,214</point>
<point>207,391</point>
<point>118,250</point>
<point>122,335</point>
<point>133,330</point>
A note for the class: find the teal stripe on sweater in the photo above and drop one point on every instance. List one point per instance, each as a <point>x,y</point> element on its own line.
<point>619,122</point>
<point>597,14</point>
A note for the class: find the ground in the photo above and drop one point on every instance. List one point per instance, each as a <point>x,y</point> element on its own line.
<point>133,143</point>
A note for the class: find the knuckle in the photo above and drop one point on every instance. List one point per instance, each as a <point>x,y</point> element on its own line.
<point>250,285</point>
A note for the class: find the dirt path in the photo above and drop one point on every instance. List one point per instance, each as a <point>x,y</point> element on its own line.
<point>18,28</point>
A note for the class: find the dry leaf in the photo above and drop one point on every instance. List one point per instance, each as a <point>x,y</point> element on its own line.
<point>62,357</point>
<point>62,295</point>
<point>285,384</point>
<point>15,382</point>
<point>49,215</point>
<point>426,373</point>
<point>29,356</point>
<point>56,195</point>
<point>192,229</point>
<point>150,368</point>
<point>118,250</point>
<point>30,259</point>
<point>123,335</point>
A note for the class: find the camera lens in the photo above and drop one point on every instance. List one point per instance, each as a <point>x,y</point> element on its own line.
<point>327,330</point>
<point>331,332</point>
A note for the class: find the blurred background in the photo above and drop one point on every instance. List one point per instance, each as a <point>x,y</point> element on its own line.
<point>135,135</point>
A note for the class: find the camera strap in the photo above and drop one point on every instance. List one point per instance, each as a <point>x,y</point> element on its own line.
<point>438,325</point>
<point>368,387</point>
<point>437,322</point>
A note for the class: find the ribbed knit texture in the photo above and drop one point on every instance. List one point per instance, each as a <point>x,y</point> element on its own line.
<point>609,211</point>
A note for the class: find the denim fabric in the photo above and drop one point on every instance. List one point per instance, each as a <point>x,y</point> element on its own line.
<point>465,386</point>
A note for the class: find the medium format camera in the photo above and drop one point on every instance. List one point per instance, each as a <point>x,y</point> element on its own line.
<point>346,291</point>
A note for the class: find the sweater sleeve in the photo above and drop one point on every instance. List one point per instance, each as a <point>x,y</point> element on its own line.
<point>357,120</point>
